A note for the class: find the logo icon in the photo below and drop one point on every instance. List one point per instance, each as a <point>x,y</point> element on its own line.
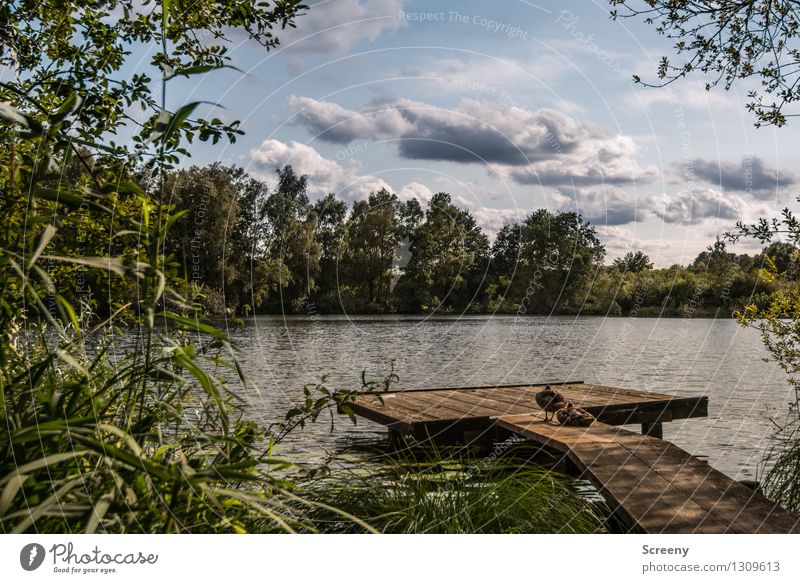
<point>31,556</point>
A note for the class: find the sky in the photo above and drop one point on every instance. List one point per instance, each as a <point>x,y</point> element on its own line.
<point>508,106</point>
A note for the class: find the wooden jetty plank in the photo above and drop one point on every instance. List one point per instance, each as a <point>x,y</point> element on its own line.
<point>746,510</point>
<point>608,404</point>
<point>647,502</point>
<point>527,396</point>
<point>490,403</point>
<point>445,408</point>
<point>656,485</point>
<point>391,413</point>
<point>585,396</point>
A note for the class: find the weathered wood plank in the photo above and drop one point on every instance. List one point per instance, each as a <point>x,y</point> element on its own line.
<point>489,403</point>
<point>656,485</point>
<point>745,510</point>
<point>443,407</point>
<point>653,485</point>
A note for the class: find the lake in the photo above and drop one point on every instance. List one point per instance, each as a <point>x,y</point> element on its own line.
<point>682,356</point>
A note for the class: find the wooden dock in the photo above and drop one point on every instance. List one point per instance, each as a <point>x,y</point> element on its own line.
<point>652,485</point>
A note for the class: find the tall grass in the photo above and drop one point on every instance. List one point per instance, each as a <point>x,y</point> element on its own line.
<point>779,478</point>
<point>453,493</point>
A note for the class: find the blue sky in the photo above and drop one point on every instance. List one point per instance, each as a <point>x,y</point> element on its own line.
<point>508,106</point>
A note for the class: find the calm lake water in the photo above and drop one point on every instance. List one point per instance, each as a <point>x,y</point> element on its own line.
<point>681,356</point>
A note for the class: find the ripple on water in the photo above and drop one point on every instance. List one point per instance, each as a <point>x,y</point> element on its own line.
<point>681,356</point>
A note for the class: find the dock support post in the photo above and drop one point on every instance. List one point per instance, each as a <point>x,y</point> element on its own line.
<point>653,430</point>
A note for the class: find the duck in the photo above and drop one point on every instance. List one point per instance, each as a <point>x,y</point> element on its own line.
<point>574,416</point>
<point>549,400</point>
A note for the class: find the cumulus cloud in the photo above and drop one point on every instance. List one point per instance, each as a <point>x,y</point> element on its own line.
<point>415,190</point>
<point>333,123</point>
<point>334,27</point>
<point>542,147</point>
<point>603,205</point>
<point>324,175</point>
<point>695,205</point>
<point>751,176</point>
<point>344,180</point>
<point>490,219</point>
<point>619,240</point>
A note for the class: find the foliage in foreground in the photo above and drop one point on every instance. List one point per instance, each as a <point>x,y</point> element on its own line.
<point>779,324</point>
<point>452,494</point>
<point>105,430</point>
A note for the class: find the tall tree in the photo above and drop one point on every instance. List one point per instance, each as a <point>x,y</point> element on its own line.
<point>292,244</point>
<point>208,197</point>
<point>374,233</point>
<point>558,255</point>
<point>449,257</point>
<point>633,262</point>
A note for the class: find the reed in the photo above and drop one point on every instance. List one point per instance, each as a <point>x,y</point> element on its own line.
<point>444,492</point>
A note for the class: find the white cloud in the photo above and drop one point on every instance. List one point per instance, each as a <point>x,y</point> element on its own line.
<point>603,205</point>
<point>333,123</point>
<point>415,190</point>
<point>324,175</point>
<point>619,240</point>
<point>541,147</point>
<point>333,27</point>
<point>689,94</point>
<point>696,205</point>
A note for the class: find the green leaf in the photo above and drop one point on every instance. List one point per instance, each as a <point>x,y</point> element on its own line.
<point>98,512</point>
<point>10,113</point>
<point>67,198</point>
<point>167,125</point>
<point>44,463</point>
<point>106,263</point>
<point>11,490</point>
<point>195,325</point>
<point>69,311</point>
<point>70,104</point>
<point>200,69</point>
<point>49,231</point>
<point>164,15</point>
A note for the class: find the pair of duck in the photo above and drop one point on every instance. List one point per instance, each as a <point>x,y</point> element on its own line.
<point>566,413</point>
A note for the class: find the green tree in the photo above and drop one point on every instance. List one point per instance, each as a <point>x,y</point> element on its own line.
<point>149,440</point>
<point>449,253</point>
<point>292,244</point>
<point>733,41</point>
<point>374,233</point>
<point>559,253</point>
<point>200,241</point>
<point>633,262</point>
<point>331,234</point>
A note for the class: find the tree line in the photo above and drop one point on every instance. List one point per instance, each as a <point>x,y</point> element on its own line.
<point>247,247</point>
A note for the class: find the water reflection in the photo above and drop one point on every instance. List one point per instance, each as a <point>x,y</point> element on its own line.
<point>681,356</point>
